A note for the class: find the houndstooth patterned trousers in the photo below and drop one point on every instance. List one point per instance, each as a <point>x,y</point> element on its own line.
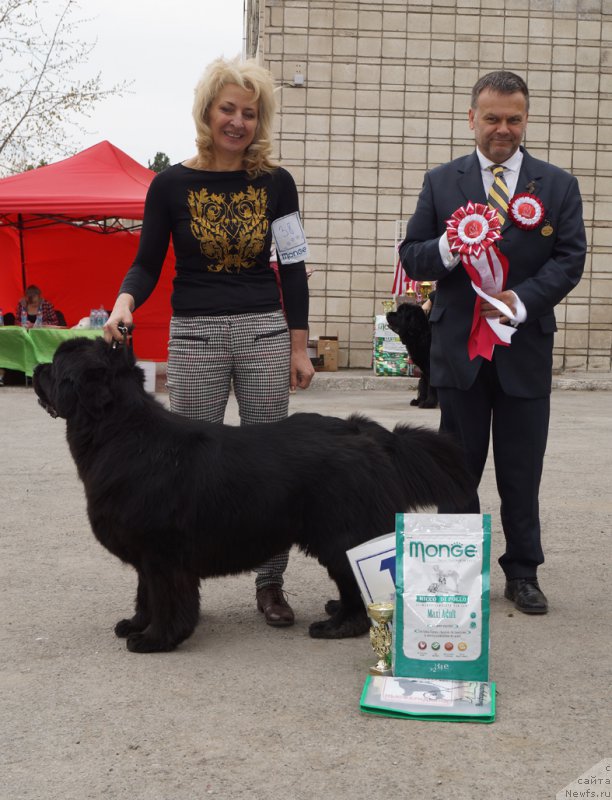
<point>206,355</point>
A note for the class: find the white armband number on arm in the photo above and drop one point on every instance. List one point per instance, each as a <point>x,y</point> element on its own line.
<point>290,239</point>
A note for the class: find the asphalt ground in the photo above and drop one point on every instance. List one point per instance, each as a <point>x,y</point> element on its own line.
<point>245,711</point>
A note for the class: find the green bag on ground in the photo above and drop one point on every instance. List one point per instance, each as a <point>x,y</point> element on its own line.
<point>390,355</point>
<point>441,624</point>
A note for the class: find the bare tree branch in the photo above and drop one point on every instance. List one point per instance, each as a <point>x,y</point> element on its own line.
<point>40,99</point>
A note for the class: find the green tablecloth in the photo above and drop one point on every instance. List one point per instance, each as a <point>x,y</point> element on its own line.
<point>23,349</point>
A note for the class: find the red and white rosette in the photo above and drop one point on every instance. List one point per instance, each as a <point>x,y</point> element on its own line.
<point>472,232</point>
<point>526,211</point>
<point>472,229</point>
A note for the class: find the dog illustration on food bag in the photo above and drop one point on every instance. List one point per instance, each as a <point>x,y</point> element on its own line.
<point>441,581</point>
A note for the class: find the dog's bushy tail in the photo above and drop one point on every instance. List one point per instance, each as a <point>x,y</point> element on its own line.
<point>432,467</point>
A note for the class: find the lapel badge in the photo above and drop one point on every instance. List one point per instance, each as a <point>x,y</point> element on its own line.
<point>530,188</point>
<point>547,228</point>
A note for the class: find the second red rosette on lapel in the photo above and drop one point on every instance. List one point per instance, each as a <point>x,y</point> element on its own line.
<point>526,211</point>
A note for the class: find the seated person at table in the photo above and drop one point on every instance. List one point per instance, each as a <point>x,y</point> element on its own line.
<point>33,302</point>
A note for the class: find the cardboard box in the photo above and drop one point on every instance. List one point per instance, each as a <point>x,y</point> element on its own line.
<point>323,353</point>
<point>327,346</point>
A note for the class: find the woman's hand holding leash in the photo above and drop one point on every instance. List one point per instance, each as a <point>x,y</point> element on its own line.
<point>120,320</point>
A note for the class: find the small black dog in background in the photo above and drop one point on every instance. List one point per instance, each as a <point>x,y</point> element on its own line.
<point>411,324</point>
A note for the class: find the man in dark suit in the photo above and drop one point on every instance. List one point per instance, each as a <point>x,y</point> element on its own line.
<point>502,390</point>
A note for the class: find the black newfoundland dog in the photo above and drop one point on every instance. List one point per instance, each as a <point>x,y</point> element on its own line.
<point>182,500</point>
<point>411,324</point>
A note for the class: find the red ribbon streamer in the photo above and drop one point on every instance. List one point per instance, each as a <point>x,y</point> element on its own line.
<point>483,338</point>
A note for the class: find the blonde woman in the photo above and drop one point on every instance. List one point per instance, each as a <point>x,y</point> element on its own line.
<point>219,207</point>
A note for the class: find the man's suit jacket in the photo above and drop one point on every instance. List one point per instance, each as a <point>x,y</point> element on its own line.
<point>542,270</point>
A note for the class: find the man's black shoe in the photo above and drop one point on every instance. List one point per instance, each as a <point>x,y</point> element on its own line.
<point>527,595</point>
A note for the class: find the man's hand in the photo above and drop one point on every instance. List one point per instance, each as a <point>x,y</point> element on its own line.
<point>489,311</point>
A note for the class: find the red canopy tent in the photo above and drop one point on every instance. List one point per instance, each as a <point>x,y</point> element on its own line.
<point>64,227</point>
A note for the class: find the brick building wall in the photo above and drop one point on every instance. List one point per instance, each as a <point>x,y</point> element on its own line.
<point>381,94</point>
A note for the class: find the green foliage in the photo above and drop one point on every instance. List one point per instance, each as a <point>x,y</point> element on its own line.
<point>159,163</point>
<point>41,163</point>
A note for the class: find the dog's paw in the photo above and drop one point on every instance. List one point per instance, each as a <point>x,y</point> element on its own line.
<point>332,629</point>
<point>332,607</point>
<point>428,404</point>
<point>127,626</point>
<point>415,402</point>
<point>143,643</point>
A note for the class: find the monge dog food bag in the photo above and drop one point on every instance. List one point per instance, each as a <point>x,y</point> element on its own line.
<point>441,625</point>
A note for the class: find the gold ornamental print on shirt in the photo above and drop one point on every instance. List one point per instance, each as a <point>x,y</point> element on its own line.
<point>231,228</point>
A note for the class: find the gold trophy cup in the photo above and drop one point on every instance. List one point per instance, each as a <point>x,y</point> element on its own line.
<point>425,290</point>
<point>380,636</point>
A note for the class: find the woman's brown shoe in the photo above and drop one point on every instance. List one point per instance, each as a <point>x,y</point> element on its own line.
<point>273,602</point>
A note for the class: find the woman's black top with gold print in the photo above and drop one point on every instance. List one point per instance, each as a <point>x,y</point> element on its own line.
<point>220,223</point>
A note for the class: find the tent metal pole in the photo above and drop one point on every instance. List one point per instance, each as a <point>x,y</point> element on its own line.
<point>21,251</point>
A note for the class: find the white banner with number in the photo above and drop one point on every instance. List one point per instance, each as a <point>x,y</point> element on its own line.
<point>373,564</point>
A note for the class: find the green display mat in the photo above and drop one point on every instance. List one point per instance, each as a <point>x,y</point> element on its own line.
<point>425,699</point>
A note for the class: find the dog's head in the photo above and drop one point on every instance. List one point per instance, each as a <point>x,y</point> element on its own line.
<point>409,317</point>
<point>85,374</point>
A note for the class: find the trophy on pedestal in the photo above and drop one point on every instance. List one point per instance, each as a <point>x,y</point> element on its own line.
<point>380,636</point>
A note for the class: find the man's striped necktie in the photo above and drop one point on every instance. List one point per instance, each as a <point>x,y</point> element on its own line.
<point>499,196</point>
